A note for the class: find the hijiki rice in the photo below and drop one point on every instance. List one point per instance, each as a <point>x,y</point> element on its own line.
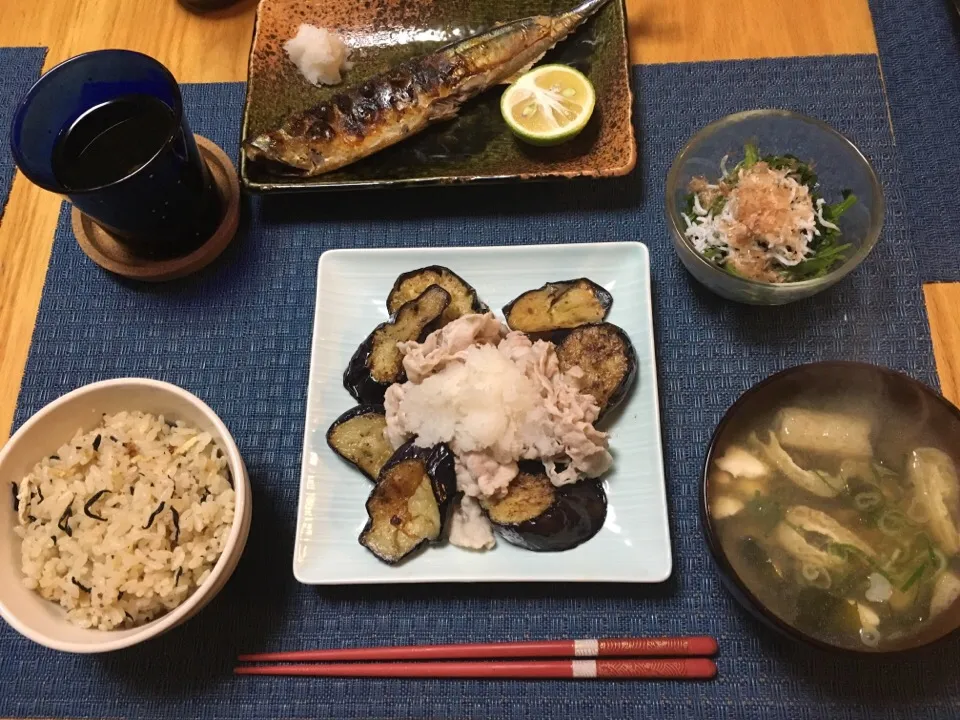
<point>124,522</point>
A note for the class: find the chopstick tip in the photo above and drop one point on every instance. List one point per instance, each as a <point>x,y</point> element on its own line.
<point>701,668</point>
<point>707,646</point>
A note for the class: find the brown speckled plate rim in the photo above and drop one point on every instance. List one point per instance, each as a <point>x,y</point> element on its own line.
<point>295,185</point>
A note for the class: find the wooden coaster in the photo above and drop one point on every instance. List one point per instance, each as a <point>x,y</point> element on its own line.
<point>110,254</point>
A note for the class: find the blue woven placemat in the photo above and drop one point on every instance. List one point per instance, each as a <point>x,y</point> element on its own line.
<point>238,335</point>
<point>19,69</point>
<point>919,45</point>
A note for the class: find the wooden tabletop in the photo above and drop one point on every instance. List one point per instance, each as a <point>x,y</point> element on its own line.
<point>214,49</point>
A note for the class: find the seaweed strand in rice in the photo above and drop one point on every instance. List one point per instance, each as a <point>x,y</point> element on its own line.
<point>155,466</point>
<point>176,524</point>
<point>153,515</point>
<point>87,505</point>
<point>64,522</point>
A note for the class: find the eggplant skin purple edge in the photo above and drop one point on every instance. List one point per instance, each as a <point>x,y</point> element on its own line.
<point>356,411</point>
<point>558,336</point>
<point>357,378</point>
<point>602,294</point>
<point>577,514</point>
<point>439,463</point>
<point>479,306</point>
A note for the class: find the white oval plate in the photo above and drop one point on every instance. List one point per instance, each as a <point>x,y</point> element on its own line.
<point>352,286</point>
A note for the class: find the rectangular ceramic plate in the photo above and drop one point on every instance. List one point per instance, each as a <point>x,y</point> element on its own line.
<point>352,286</point>
<point>476,146</point>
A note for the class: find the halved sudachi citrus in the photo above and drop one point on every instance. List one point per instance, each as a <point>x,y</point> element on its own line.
<point>548,105</point>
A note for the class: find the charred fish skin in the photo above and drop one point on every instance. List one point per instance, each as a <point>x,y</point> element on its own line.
<point>401,102</point>
<point>359,122</point>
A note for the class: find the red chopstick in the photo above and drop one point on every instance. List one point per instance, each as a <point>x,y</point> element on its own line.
<point>606,647</point>
<point>659,669</point>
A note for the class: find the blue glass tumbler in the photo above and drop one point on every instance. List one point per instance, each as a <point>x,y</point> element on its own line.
<point>107,130</point>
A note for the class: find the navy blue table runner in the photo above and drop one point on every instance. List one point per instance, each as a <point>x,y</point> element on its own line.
<point>919,44</point>
<point>238,335</point>
<point>19,69</point>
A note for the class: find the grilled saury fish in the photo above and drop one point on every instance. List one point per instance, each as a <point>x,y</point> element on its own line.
<point>401,102</point>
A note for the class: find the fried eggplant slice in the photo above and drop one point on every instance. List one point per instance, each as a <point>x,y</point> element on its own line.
<point>463,297</point>
<point>410,503</point>
<point>377,363</point>
<point>605,354</point>
<point>558,305</point>
<point>536,515</point>
<point>358,437</point>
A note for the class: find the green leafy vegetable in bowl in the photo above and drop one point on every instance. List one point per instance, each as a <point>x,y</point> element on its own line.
<point>765,220</point>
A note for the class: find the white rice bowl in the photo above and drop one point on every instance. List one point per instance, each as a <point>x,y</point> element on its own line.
<point>122,530</point>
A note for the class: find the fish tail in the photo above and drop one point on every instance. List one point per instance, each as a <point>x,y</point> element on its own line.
<point>586,9</point>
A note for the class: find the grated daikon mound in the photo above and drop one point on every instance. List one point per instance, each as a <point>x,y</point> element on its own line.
<point>319,54</point>
<point>485,402</point>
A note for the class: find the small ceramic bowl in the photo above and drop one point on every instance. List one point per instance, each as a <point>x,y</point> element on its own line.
<point>839,166</point>
<point>912,415</point>
<point>45,622</point>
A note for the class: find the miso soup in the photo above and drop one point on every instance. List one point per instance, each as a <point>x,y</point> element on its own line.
<point>835,499</point>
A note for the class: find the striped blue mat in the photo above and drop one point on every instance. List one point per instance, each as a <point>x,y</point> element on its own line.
<point>919,44</point>
<point>238,335</point>
<point>19,69</point>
